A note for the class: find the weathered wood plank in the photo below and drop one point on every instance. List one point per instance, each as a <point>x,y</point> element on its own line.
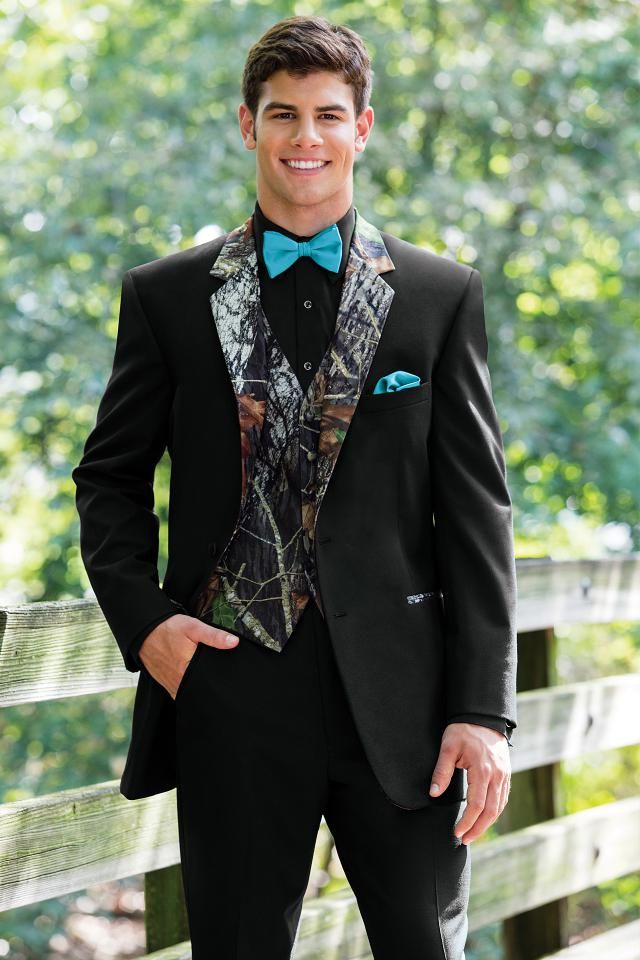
<point>64,648</point>
<point>66,841</point>
<point>554,724</point>
<point>58,649</point>
<point>554,859</point>
<point>551,592</point>
<point>180,951</point>
<point>620,943</point>
<point>328,923</point>
<point>574,719</point>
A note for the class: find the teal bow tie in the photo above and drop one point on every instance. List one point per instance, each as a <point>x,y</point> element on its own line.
<point>279,251</point>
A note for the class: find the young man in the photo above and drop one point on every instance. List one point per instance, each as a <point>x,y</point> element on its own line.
<point>339,507</point>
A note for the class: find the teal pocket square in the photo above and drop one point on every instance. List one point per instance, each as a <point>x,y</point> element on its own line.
<point>397,380</point>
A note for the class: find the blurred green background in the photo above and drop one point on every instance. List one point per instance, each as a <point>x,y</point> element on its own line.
<point>506,136</point>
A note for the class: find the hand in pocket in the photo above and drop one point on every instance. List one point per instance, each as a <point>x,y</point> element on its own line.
<point>167,650</point>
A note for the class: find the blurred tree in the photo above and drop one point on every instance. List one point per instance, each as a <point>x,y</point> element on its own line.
<point>506,137</point>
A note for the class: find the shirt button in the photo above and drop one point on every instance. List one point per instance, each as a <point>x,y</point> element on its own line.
<point>307,364</point>
<point>308,304</point>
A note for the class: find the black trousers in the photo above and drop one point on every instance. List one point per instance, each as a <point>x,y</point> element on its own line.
<point>266,745</point>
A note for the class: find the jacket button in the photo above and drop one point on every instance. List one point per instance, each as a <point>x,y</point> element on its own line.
<point>213,548</point>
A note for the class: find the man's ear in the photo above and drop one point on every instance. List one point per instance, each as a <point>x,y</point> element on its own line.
<point>364,126</point>
<point>248,127</point>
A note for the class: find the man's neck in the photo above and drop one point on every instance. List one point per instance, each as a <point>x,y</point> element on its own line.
<point>302,221</point>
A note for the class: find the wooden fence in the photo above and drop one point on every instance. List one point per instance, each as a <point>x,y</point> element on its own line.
<point>50,845</point>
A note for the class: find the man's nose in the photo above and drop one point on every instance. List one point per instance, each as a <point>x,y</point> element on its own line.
<point>306,132</point>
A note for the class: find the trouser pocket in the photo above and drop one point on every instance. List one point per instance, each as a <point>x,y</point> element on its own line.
<point>186,676</point>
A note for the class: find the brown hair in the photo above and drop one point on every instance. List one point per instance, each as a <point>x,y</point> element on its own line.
<point>302,45</point>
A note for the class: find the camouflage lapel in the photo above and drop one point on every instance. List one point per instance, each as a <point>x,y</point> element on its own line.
<point>250,349</point>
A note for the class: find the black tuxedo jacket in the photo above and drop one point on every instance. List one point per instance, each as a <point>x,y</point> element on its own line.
<point>414,541</point>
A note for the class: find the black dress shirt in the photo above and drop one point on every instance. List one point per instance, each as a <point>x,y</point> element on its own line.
<point>301,306</point>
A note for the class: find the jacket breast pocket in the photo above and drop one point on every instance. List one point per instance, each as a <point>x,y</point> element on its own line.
<point>396,398</point>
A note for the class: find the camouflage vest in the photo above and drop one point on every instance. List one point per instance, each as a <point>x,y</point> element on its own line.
<point>290,440</point>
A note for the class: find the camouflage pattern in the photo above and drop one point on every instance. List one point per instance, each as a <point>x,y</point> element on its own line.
<point>290,440</point>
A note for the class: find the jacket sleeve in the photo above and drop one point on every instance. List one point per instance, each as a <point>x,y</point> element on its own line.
<point>473,524</point>
<point>114,481</point>
<point>138,640</point>
<point>484,720</point>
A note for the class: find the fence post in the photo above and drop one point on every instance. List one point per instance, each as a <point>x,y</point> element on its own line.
<point>165,910</point>
<point>534,797</point>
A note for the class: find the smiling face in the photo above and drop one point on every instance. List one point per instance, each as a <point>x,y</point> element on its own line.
<point>293,123</point>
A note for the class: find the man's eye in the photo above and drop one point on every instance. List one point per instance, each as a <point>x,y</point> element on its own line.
<point>278,115</point>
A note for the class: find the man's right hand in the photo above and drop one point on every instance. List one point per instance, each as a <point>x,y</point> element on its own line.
<point>168,648</point>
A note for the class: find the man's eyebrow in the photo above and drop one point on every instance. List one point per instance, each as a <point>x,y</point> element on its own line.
<point>276,105</point>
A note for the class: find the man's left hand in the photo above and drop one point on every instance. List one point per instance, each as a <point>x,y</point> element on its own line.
<point>484,753</point>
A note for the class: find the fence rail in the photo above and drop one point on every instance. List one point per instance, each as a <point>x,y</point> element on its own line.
<point>63,842</point>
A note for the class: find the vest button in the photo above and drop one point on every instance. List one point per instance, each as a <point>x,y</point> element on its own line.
<point>308,304</point>
<point>307,364</point>
<point>311,455</point>
<point>213,548</point>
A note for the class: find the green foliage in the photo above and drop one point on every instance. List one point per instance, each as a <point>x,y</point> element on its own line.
<point>42,751</point>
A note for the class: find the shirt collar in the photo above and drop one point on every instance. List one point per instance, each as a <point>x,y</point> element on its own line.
<point>345,225</point>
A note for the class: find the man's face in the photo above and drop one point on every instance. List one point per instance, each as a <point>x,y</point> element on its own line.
<point>291,125</point>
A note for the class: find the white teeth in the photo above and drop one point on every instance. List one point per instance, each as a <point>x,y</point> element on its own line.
<point>306,164</point>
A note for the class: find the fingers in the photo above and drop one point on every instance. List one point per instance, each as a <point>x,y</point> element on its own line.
<point>504,793</point>
<point>487,794</point>
<point>213,636</point>
<point>475,819</point>
<point>443,770</point>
